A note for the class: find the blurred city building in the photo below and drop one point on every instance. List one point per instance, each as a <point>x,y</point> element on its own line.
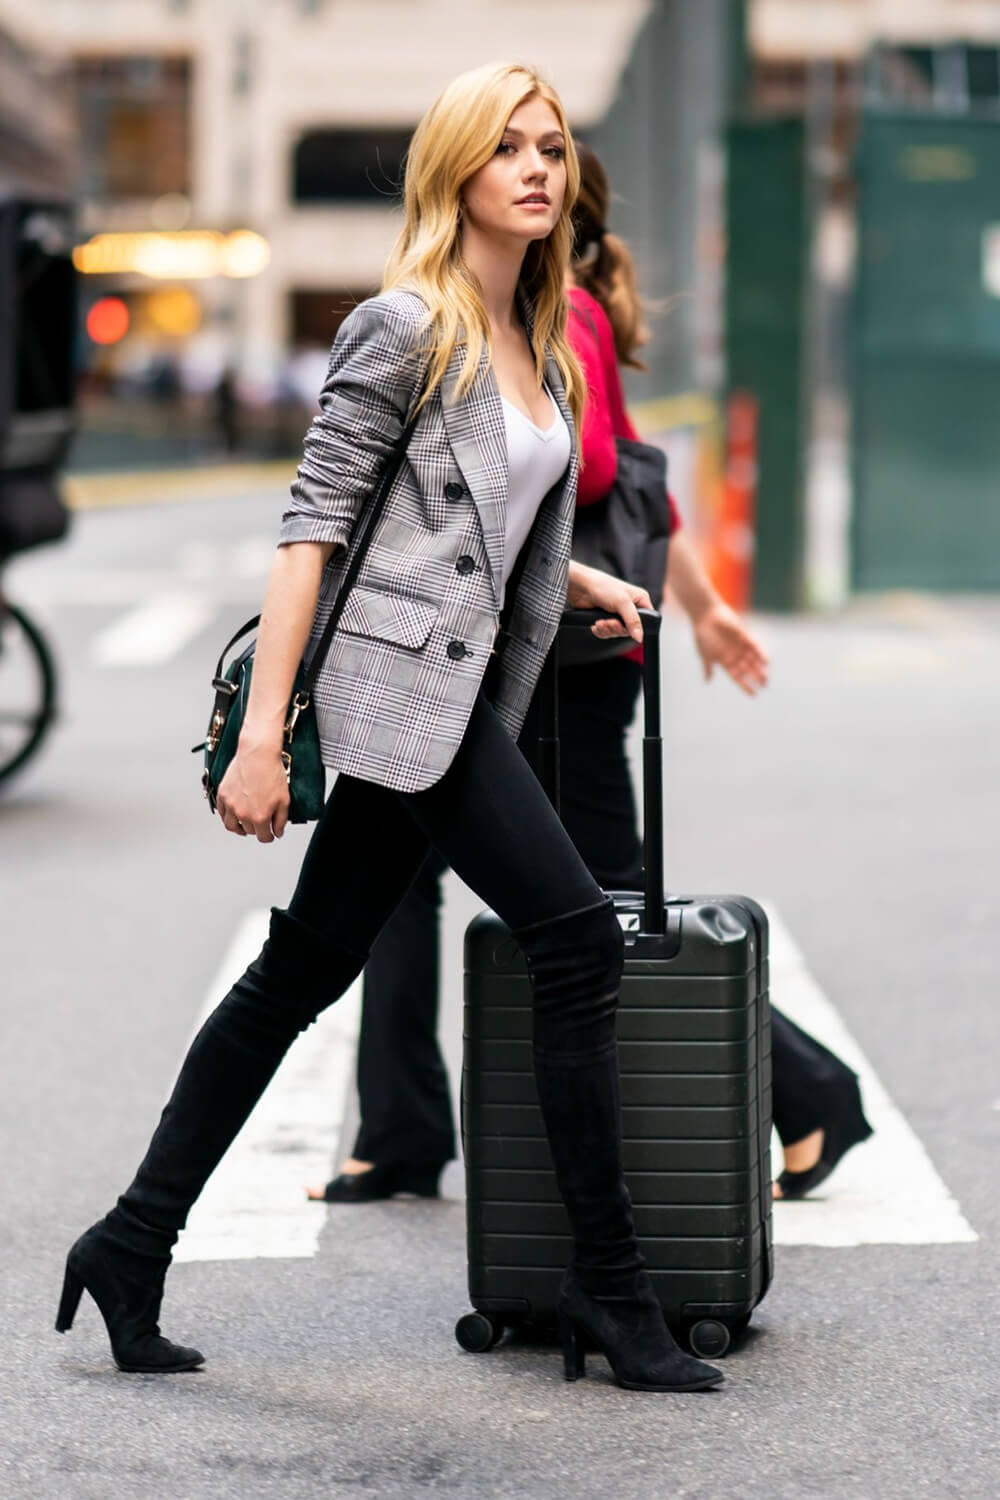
<point>863,292</point>
<point>282,119</point>
<point>806,186</point>
<point>36,115</point>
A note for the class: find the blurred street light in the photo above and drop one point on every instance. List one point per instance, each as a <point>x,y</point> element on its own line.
<point>243,254</point>
<point>108,320</point>
<point>173,310</point>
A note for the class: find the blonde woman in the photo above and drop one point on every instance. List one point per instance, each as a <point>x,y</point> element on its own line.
<point>424,688</point>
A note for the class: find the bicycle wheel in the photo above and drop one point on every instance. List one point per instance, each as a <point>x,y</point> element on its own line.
<point>27,689</point>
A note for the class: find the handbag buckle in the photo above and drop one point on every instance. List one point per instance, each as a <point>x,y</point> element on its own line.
<point>215,729</point>
<point>300,702</point>
<point>209,790</point>
<point>223,685</point>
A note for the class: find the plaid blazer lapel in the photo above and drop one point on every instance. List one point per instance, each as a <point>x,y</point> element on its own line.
<point>478,437</point>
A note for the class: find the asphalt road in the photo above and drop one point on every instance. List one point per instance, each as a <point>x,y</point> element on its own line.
<point>859,794</point>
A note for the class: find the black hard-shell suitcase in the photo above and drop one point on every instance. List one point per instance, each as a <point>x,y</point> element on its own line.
<point>694,1039</point>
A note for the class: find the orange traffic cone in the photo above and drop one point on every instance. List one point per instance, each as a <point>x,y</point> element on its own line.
<point>730,543</point>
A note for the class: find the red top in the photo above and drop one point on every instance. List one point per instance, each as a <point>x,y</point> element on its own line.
<point>604,415</point>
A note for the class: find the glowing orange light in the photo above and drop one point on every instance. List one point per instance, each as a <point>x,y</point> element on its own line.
<point>173,310</point>
<point>107,321</point>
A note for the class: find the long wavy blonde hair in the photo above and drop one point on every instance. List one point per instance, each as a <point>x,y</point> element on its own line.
<point>459,134</point>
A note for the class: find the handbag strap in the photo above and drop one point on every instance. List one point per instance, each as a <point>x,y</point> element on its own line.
<point>371,519</point>
<point>218,679</point>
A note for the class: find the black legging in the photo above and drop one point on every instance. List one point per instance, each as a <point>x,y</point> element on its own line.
<point>490,819</point>
<point>406,1113</point>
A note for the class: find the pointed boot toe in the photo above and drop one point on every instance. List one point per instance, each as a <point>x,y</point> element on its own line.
<point>155,1355</point>
<point>629,1330</point>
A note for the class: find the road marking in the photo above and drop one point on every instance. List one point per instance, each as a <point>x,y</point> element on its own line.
<point>254,1204</point>
<point>153,632</point>
<point>886,1191</point>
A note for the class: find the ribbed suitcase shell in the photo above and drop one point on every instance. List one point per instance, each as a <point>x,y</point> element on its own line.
<point>694,1038</point>
<point>694,1034</point>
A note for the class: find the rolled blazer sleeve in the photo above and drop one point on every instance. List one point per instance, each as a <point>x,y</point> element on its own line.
<point>372,380</point>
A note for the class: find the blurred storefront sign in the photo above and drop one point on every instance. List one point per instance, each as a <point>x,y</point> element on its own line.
<point>184,255</point>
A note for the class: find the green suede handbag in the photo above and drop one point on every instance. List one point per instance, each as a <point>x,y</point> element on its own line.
<point>300,750</point>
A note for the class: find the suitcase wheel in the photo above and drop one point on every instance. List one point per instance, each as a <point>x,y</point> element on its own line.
<point>476,1332</point>
<point>708,1338</point>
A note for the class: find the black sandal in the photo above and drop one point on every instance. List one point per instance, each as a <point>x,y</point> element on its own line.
<point>848,1127</point>
<point>383,1182</point>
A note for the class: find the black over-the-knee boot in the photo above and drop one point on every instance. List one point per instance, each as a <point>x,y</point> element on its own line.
<point>122,1260</point>
<point>575,966</point>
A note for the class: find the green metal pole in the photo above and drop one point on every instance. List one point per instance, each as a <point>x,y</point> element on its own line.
<point>738,54</point>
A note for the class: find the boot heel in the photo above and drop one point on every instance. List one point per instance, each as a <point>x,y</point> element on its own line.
<point>69,1301</point>
<point>574,1356</point>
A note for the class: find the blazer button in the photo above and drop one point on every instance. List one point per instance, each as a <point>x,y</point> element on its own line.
<point>454,491</point>
<point>465,564</point>
<point>456,650</point>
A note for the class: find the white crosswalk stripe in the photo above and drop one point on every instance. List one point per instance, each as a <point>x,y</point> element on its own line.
<point>254,1205</point>
<point>886,1191</point>
<point>164,608</point>
<point>153,632</point>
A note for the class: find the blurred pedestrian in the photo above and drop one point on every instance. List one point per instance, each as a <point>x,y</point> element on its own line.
<point>417,712</point>
<point>406,1134</point>
<point>227,409</point>
<point>818,1113</point>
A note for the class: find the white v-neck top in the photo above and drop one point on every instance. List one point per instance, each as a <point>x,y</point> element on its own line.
<point>536,459</point>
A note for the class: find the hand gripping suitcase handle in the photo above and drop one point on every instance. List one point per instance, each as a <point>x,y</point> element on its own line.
<point>654,914</point>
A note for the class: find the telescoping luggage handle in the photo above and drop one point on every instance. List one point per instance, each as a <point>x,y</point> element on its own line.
<point>654,913</point>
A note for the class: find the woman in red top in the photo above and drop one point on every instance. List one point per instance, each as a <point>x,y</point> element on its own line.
<point>817,1104</point>
<point>597,701</point>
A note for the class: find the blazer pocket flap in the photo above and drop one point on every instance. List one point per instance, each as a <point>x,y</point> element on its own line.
<point>388,617</point>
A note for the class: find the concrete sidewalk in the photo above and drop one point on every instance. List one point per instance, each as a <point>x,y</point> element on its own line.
<point>196,482</point>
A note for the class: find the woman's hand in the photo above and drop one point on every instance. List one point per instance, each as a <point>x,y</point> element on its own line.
<point>722,639</point>
<point>253,795</point>
<point>589,588</point>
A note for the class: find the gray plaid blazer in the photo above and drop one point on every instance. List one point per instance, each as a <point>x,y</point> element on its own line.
<point>407,659</point>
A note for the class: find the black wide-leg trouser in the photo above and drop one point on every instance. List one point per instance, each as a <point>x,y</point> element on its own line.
<point>490,819</point>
